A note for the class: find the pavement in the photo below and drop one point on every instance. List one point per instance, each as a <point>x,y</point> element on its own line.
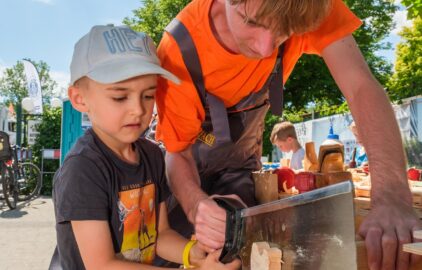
<point>27,234</point>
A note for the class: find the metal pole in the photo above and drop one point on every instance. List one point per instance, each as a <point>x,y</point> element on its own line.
<point>18,124</point>
<point>42,165</point>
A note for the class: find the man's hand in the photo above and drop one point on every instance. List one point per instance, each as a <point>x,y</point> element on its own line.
<point>210,224</point>
<point>386,229</point>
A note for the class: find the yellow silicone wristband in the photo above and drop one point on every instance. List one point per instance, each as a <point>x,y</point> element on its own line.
<point>186,251</point>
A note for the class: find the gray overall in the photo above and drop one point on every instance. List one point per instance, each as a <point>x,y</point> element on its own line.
<point>229,147</point>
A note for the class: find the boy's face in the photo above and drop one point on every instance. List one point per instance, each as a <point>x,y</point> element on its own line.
<point>284,145</point>
<point>119,112</point>
<point>254,39</point>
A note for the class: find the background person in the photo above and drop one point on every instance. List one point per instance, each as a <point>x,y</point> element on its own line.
<point>361,157</point>
<point>284,137</point>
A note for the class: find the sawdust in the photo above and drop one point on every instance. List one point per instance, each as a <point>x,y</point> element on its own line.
<point>300,252</point>
<point>337,240</point>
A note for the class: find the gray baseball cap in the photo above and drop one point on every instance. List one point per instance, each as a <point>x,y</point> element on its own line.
<point>110,54</point>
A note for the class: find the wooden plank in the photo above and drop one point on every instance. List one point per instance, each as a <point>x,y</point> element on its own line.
<point>417,234</point>
<point>414,248</point>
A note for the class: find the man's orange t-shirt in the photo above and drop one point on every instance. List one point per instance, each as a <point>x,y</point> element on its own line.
<point>228,76</point>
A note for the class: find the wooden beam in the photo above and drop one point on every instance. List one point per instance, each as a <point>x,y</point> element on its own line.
<point>417,234</point>
<point>414,248</point>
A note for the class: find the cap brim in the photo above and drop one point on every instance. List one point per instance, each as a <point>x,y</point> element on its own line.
<point>126,68</point>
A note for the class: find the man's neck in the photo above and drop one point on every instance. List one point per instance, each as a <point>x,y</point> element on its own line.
<point>219,26</point>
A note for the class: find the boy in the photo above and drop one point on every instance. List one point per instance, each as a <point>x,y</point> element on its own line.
<point>284,137</point>
<point>109,194</point>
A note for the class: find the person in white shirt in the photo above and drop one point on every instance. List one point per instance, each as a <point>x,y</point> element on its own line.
<point>284,137</point>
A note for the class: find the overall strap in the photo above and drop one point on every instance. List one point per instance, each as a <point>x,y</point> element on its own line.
<point>190,55</point>
<point>276,84</point>
<point>218,111</point>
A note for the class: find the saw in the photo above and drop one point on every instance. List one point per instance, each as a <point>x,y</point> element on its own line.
<point>315,230</point>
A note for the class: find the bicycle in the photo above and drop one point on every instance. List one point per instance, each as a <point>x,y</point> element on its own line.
<point>21,180</point>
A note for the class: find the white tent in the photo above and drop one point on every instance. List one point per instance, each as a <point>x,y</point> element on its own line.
<point>408,115</point>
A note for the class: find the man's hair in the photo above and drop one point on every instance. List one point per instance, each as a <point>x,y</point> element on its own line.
<point>282,131</point>
<point>291,16</point>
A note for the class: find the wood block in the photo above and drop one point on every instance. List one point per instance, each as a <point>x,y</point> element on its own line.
<point>274,255</point>
<point>414,248</point>
<point>266,186</point>
<point>332,162</point>
<point>417,234</point>
<point>310,161</point>
<point>362,208</point>
<point>337,177</point>
<point>325,150</point>
<point>363,192</point>
<point>265,258</point>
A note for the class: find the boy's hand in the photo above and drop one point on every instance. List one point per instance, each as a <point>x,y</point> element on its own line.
<point>212,262</point>
<point>197,254</point>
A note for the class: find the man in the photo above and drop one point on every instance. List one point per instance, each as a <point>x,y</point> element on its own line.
<point>212,123</point>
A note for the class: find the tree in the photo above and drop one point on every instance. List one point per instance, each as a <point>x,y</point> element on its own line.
<point>311,80</point>
<point>13,84</point>
<point>154,15</point>
<point>407,80</point>
<point>49,138</point>
<point>414,8</point>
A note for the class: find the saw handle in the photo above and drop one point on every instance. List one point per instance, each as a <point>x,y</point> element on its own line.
<point>234,226</point>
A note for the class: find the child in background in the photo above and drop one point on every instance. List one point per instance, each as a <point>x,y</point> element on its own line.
<point>284,137</point>
<point>361,158</point>
<point>109,195</point>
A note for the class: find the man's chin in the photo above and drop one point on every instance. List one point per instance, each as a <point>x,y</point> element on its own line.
<point>252,55</point>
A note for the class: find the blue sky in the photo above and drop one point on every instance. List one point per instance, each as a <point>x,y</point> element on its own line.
<point>47,29</point>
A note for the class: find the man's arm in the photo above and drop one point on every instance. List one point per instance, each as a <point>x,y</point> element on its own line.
<point>208,218</point>
<point>392,220</point>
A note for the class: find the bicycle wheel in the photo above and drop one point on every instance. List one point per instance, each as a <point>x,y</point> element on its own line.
<point>29,181</point>
<point>10,188</point>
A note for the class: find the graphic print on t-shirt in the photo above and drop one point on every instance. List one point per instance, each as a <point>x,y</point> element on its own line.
<point>138,221</point>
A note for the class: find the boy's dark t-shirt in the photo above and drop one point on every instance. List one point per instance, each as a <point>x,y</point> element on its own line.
<point>94,184</point>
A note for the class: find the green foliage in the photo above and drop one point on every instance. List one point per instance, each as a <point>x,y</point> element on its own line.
<point>414,8</point>
<point>13,84</point>
<point>154,15</point>
<point>407,80</point>
<point>311,80</point>
<point>49,138</point>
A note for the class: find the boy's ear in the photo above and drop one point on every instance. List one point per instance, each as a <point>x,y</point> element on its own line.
<point>76,98</point>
